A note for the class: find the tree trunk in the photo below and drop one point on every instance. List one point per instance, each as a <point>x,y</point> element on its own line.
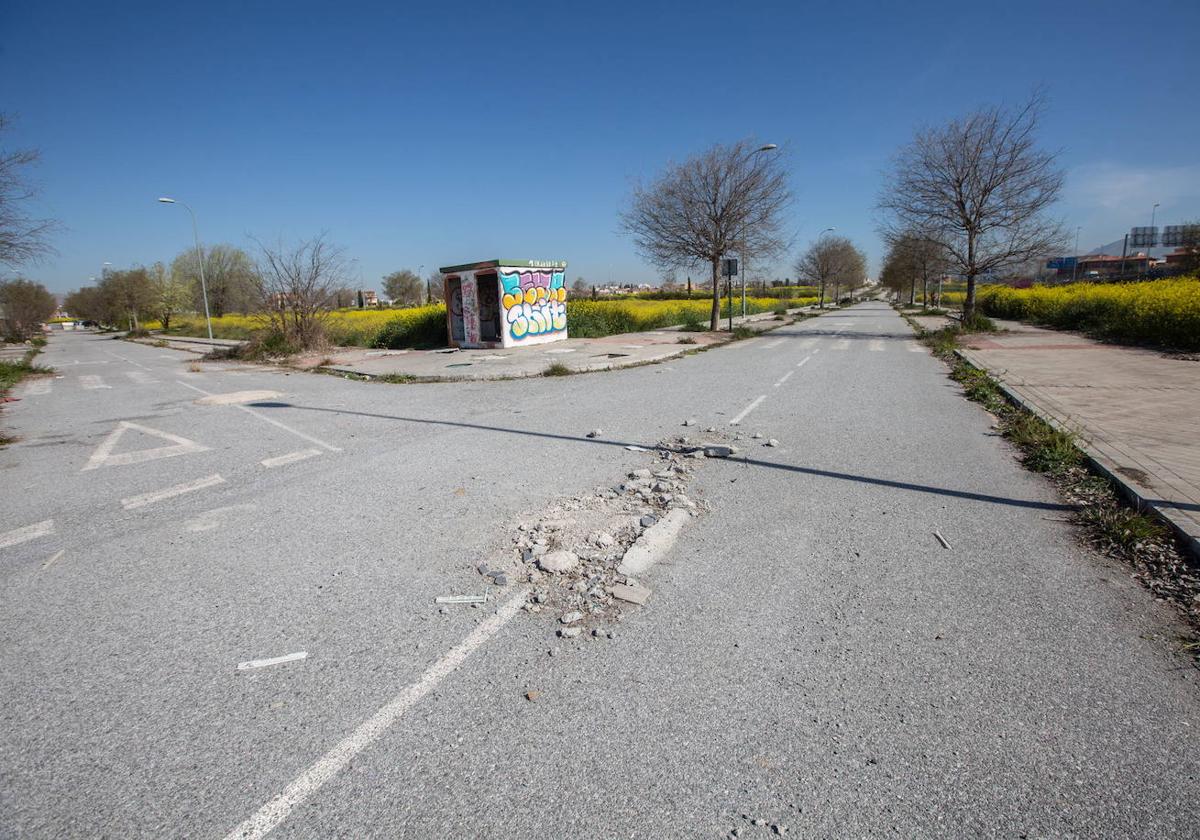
<point>969,304</point>
<point>912,292</point>
<point>715,320</point>
<point>821,296</point>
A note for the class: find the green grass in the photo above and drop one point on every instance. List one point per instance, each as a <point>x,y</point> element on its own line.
<point>12,373</point>
<point>557,369</point>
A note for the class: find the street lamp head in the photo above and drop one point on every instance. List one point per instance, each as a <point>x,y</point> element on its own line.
<point>769,147</point>
<point>166,200</point>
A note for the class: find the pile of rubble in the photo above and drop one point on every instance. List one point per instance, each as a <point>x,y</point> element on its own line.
<point>574,555</point>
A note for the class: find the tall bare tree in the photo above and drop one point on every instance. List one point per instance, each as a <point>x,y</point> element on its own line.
<point>23,238</point>
<point>832,261</point>
<point>728,198</point>
<point>24,307</point>
<point>296,284</point>
<point>912,258</point>
<point>981,188</point>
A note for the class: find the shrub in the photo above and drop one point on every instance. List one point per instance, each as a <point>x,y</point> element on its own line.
<point>1165,313</point>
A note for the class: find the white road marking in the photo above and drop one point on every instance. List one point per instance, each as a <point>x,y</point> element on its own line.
<point>127,359</point>
<point>290,458</point>
<point>747,410</point>
<point>92,382</point>
<point>327,446</point>
<point>30,532</point>
<point>876,344</point>
<point>804,361</point>
<point>805,343</point>
<point>211,519</point>
<point>277,660</point>
<point>150,498</point>
<point>103,456</point>
<point>818,350</point>
<point>774,343</point>
<point>261,823</point>
<point>784,378</point>
<point>141,377</point>
<point>38,387</point>
<point>55,557</point>
<point>843,344</point>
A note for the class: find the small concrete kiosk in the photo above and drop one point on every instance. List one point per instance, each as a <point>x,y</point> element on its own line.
<point>506,303</point>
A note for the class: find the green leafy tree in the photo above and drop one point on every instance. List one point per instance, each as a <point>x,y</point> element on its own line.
<point>404,287</point>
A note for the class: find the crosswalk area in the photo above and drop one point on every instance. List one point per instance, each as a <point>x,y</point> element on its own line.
<point>850,343</point>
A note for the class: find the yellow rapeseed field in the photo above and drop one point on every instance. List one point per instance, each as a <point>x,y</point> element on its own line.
<point>426,325</point>
<point>1160,312</point>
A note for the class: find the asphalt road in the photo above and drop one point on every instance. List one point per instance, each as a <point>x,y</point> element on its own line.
<point>811,657</point>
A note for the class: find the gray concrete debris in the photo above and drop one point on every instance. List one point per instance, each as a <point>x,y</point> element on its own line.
<point>595,433</point>
<point>757,435</point>
<point>570,632</point>
<point>482,568</point>
<point>647,520</point>
<point>772,442</point>
<point>642,473</point>
<point>499,578</point>
<point>571,617</point>
<point>633,594</point>
<point>718,450</point>
<point>558,562</point>
<point>460,599</point>
<point>691,421</point>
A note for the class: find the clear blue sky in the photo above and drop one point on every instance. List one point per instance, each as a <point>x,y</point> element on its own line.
<point>436,133</point>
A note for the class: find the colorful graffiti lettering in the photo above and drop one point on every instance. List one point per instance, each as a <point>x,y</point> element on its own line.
<point>534,302</point>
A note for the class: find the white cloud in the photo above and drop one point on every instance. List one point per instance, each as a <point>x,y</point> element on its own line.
<point>1133,190</point>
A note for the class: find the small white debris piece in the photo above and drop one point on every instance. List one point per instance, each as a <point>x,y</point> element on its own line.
<point>633,594</point>
<point>595,433</point>
<point>250,665</point>
<point>460,599</point>
<point>558,561</point>
<point>771,442</point>
<point>941,539</point>
<point>633,448</point>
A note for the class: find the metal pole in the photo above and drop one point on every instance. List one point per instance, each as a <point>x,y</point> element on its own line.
<point>200,258</point>
<point>1075,264</point>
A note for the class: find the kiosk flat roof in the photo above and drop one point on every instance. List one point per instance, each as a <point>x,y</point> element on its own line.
<point>476,266</point>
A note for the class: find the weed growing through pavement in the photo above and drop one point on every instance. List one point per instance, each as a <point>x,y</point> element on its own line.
<point>557,369</point>
<point>687,339</point>
<point>740,332</point>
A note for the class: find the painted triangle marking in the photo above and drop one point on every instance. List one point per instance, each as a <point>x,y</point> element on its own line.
<point>104,457</point>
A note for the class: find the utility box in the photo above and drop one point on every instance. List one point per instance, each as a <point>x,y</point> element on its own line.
<point>506,303</point>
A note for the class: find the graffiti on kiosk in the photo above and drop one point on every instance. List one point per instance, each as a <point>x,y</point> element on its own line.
<point>535,302</point>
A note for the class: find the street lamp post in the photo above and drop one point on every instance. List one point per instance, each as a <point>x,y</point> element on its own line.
<point>769,147</point>
<point>1075,264</point>
<point>199,258</point>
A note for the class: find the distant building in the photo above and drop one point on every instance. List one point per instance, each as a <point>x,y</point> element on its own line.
<point>1099,265</point>
<point>367,297</point>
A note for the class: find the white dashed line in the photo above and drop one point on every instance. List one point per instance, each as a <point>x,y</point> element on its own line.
<point>774,343</point>
<point>290,458</point>
<point>784,378</point>
<point>92,382</point>
<point>55,557</point>
<point>333,762</point>
<point>30,532</point>
<point>747,410</point>
<point>170,492</point>
<point>804,361</point>
<point>277,660</point>
<point>271,420</point>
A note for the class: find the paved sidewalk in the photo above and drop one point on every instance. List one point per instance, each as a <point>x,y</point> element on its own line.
<point>1137,411</point>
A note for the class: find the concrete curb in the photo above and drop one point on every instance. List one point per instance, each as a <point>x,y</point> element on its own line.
<point>654,542</point>
<point>1100,462</point>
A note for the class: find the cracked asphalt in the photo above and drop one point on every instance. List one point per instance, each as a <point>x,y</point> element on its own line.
<point>811,656</point>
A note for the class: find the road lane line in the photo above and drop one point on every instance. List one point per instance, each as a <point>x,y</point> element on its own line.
<point>150,498</point>
<point>747,410</point>
<point>774,343</point>
<point>784,378</point>
<point>275,660</point>
<point>326,446</point>
<point>127,359</point>
<point>806,343</point>
<point>30,532</point>
<point>140,377</point>
<point>804,361</point>
<point>876,344</point>
<point>261,823</point>
<point>55,557</point>
<point>290,458</point>
<point>92,382</point>
<point>818,350</point>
